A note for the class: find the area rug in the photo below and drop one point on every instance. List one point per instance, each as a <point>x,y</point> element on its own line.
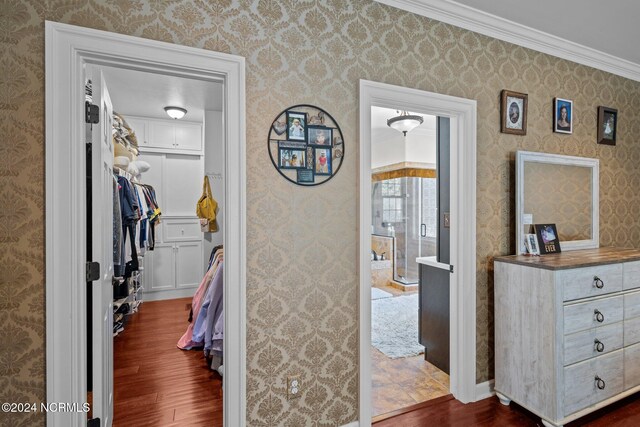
<point>377,293</point>
<point>394,326</point>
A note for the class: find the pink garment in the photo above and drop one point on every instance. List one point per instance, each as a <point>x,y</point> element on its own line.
<point>185,342</point>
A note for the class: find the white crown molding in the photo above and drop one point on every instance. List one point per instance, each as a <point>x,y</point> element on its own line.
<point>475,20</point>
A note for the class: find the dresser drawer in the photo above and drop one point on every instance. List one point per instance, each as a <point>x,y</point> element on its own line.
<point>592,342</point>
<point>592,314</point>
<point>176,230</point>
<point>591,281</point>
<point>631,275</point>
<point>631,366</point>
<point>632,305</point>
<point>631,331</point>
<point>581,384</point>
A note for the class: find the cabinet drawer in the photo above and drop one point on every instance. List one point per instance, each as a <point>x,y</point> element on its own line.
<point>631,331</point>
<point>592,342</point>
<point>580,385</point>
<point>631,366</point>
<point>592,314</point>
<point>176,230</point>
<point>631,275</point>
<point>632,305</point>
<point>582,282</point>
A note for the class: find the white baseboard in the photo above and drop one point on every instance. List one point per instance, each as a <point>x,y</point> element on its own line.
<point>352,424</point>
<point>484,390</point>
<point>168,294</point>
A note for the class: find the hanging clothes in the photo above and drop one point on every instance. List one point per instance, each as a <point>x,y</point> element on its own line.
<point>209,292</point>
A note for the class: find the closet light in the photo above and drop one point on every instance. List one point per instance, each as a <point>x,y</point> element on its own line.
<point>175,112</point>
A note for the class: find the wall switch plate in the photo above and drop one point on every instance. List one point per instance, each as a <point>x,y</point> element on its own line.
<point>294,387</point>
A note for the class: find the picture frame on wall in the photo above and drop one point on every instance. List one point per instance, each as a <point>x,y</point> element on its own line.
<point>323,161</point>
<point>548,239</point>
<point>320,136</point>
<point>563,116</point>
<point>292,158</point>
<point>607,125</point>
<point>296,126</point>
<point>513,112</point>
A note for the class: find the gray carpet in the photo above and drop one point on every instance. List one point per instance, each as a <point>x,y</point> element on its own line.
<point>394,326</point>
<point>377,293</point>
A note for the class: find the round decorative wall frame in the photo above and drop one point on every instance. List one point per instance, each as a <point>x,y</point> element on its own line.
<point>305,145</point>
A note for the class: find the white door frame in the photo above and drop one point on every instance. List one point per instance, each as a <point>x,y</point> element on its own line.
<point>463,229</point>
<point>67,49</point>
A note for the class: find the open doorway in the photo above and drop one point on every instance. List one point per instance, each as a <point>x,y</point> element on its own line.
<point>163,157</point>
<point>462,277</point>
<point>404,233</point>
<point>171,163</point>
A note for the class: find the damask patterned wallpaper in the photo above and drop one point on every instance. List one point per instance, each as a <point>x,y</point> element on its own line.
<point>302,242</point>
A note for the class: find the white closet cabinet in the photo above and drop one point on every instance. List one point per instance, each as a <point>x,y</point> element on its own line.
<point>172,266</point>
<point>566,331</point>
<point>167,135</point>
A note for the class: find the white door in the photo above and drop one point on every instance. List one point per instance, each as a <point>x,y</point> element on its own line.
<point>102,248</point>
<point>188,136</point>
<point>189,264</point>
<point>162,135</point>
<point>164,261</point>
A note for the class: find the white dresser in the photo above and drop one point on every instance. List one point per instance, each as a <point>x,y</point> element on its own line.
<point>567,331</point>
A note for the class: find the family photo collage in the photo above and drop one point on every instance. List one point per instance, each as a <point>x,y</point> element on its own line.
<point>305,145</point>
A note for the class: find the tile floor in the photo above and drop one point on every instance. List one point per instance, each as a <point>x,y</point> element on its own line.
<point>398,383</point>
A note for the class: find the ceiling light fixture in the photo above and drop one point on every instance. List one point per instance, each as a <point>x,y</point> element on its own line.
<point>405,122</point>
<point>175,112</point>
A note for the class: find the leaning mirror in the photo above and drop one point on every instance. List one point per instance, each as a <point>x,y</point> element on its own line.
<point>561,190</point>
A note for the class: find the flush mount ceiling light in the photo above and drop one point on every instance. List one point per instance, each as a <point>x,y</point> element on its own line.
<point>175,112</point>
<point>405,122</point>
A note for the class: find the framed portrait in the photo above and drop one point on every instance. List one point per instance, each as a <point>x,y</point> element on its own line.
<point>513,112</point>
<point>292,158</point>
<point>322,161</point>
<point>320,136</point>
<point>562,115</point>
<point>607,125</point>
<point>296,126</point>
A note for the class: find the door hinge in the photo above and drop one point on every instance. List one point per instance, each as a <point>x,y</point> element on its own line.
<point>451,268</point>
<point>93,422</point>
<point>92,271</point>
<point>91,113</point>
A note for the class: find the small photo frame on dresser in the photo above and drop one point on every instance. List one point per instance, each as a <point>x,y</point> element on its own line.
<point>548,239</point>
<point>531,243</point>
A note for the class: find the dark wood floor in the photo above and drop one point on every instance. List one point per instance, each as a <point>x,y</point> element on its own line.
<point>448,412</point>
<point>157,384</point>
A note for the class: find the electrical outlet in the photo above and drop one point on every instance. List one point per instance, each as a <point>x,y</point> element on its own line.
<point>294,387</point>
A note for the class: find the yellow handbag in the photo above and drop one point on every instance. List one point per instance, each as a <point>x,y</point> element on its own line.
<point>206,208</point>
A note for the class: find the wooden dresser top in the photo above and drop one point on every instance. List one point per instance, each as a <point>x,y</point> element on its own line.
<point>574,259</point>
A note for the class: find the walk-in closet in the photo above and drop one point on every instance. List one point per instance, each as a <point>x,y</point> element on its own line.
<point>156,165</point>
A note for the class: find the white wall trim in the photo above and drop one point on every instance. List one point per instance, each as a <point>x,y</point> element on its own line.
<point>67,49</point>
<point>481,22</point>
<point>485,390</point>
<point>463,231</point>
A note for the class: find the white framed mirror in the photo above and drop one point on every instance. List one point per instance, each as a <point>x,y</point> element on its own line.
<point>561,190</point>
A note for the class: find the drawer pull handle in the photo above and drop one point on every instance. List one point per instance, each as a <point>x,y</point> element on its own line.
<point>600,383</point>
<point>599,316</point>
<point>599,345</point>
<point>597,282</point>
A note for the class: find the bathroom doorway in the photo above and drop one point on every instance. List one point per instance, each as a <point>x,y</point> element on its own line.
<point>462,116</point>
<point>404,231</point>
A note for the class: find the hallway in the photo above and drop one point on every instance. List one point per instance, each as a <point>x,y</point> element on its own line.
<point>155,383</point>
